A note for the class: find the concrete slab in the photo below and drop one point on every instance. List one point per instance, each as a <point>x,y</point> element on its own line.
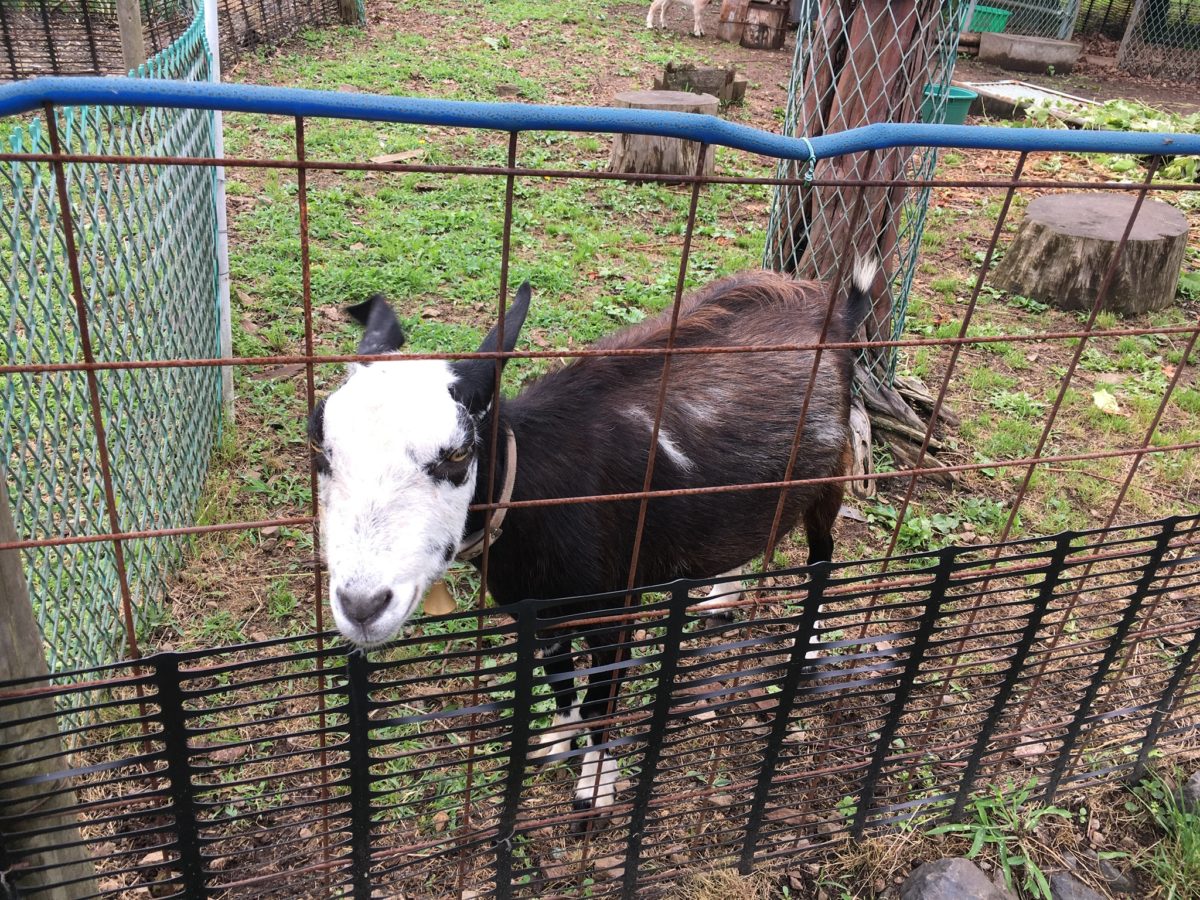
<point>1022,53</point>
<point>1009,98</point>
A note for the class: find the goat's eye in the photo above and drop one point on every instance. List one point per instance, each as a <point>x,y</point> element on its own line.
<point>459,455</point>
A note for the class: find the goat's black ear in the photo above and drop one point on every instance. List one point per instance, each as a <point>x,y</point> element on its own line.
<point>477,377</point>
<point>381,329</point>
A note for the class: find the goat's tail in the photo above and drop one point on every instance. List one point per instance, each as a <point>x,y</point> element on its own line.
<point>858,300</point>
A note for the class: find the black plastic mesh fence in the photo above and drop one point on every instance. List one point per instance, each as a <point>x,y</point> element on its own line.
<point>1106,17</point>
<point>862,696</point>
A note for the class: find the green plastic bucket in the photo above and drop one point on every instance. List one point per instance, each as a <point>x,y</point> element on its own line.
<point>958,104</point>
<point>988,18</point>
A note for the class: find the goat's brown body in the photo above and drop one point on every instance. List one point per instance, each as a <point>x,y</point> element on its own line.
<point>729,418</point>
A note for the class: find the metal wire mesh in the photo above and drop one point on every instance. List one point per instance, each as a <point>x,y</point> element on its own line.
<point>745,748</point>
<point>1163,40</point>
<point>145,266</point>
<point>845,696</point>
<point>81,37</point>
<point>876,63</point>
<point>246,25</point>
<point>1040,18</point>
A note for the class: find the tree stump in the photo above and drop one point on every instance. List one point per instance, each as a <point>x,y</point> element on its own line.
<point>1066,242</point>
<point>664,156</point>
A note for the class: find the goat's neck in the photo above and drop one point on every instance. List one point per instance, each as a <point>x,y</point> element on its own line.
<point>484,465</point>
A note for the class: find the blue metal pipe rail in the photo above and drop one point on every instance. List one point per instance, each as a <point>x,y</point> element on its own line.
<point>32,95</point>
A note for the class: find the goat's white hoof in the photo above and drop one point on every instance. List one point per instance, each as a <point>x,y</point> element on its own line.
<point>596,789</point>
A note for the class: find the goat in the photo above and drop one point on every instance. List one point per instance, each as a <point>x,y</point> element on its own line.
<point>400,447</point>
<point>660,6</point>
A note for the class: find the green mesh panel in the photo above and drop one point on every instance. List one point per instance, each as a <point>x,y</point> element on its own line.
<point>146,238</point>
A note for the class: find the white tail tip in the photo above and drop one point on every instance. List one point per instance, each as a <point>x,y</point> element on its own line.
<point>865,270</point>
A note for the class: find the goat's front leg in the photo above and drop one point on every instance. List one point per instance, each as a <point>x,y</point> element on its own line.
<point>697,12</point>
<point>650,15</point>
<point>596,788</point>
<point>559,666</point>
<point>721,596</point>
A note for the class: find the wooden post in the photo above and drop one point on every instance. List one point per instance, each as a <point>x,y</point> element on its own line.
<point>349,12</point>
<point>34,808</point>
<point>133,41</point>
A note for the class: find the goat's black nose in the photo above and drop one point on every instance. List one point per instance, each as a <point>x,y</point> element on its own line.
<point>362,606</point>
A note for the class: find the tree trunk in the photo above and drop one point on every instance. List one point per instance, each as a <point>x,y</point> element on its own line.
<point>133,41</point>
<point>1066,242</point>
<point>40,806</point>
<point>869,62</point>
<point>664,156</point>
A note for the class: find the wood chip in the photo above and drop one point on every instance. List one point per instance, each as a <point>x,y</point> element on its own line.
<point>1029,751</point>
<point>398,157</point>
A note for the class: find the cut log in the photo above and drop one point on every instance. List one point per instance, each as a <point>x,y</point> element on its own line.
<point>718,81</point>
<point>1066,243</point>
<point>665,156</point>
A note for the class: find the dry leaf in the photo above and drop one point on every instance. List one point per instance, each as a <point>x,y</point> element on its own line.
<point>438,601</point>
<point>1106,403</point>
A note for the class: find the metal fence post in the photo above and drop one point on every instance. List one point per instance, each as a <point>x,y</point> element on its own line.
<point>50,841</point>
<point>225,322</point>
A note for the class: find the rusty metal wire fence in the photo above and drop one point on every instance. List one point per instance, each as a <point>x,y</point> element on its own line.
<point>842,697</point>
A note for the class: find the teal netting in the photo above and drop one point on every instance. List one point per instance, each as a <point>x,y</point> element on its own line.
<point>874,62</point>
<point>146,238</point>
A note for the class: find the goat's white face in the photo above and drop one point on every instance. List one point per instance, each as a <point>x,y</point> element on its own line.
<point>394,495</point>
<point>395,449</point>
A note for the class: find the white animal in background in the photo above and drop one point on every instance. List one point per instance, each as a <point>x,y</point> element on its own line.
<point>660,6</point>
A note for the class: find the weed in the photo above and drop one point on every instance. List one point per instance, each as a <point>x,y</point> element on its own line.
<point>1174,861</point>
<point>1017,403</point>
<point>1005,822</point>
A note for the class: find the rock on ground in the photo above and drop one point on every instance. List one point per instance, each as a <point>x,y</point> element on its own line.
<point>1065,886</point>
<point>1191,793</point>
<point>950,879</point>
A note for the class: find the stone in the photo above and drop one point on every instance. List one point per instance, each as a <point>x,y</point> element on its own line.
<point>950,879</point>
<point>610,868</point>
<point>1023,53</point>
<point>1189,794</point>
<point>1065,886</point>
<point>1117,881</point>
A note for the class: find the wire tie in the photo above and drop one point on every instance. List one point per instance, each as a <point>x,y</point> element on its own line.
<point>812,160</point>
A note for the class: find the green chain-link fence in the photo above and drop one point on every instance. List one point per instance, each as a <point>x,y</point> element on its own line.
<point>146,238</point>
<point>873,61</point>
<point>1039,18</point>
<point>1162,40</point>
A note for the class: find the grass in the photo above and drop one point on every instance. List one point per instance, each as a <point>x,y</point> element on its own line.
<point>1172,863</point>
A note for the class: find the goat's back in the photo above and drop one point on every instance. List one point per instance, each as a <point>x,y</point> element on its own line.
<point>728,418</point>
